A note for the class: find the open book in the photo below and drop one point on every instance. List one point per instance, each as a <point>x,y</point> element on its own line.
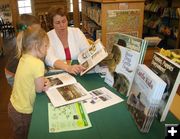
<point>65,90</point>
<point>92,56</point>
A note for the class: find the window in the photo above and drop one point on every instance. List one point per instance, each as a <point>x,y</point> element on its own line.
<point>71,5</point>
<point>24,6</point>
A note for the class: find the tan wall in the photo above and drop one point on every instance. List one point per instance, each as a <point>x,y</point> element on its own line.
<point>41,6</point>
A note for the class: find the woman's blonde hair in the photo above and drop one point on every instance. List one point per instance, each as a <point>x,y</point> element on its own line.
<point>32,36</point>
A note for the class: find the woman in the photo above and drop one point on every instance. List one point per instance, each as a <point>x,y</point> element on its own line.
<point>65,42</point>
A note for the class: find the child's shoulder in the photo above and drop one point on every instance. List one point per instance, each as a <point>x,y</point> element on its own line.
<point>31,59</point>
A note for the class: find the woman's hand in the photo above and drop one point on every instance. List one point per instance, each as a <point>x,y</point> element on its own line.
<point>72,69</point>
<point>47,84</point>
<point>75,69</point>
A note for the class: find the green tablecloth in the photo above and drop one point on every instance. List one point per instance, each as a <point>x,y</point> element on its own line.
<point>114,122</point>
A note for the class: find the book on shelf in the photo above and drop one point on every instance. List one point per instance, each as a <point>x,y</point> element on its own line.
<point>98,34</point>
<point>65,89</point>
<point>168,71</point>
<point>145,95</point>
<point>92,56</point>
<point>101,98</point>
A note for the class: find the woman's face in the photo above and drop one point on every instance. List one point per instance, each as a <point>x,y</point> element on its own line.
<point>60,23</point>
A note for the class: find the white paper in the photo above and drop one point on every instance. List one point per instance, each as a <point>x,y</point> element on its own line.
<point>101,98</point>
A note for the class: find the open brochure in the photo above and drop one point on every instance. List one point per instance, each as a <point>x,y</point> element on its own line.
<point>101,98</point>
<point>65,90</point>
<point>92,56</point>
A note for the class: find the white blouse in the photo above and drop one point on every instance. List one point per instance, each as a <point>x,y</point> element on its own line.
<point>77,43</point>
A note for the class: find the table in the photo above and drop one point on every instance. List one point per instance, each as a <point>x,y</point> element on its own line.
<point>114,122</point>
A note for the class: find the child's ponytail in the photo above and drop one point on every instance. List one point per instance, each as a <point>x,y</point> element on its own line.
<point>19,44</point>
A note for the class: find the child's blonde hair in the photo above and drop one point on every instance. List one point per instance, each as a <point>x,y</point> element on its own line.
<point>27,39</point>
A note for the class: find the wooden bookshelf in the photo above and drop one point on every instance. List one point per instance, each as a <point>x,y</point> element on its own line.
<point>103,6</point>
<point>161,19</point>
<point>14,10</point>
<point>40,9</point>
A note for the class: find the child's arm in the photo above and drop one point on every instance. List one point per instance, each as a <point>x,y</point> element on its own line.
<point>41,84</point>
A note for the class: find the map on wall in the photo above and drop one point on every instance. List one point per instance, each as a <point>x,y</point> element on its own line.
<point>124,21</point>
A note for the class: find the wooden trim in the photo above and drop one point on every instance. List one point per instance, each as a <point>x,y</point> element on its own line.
<point>175,106</point>
<point>178,38</point>
<point>114,1</point>
<point>76,15</point>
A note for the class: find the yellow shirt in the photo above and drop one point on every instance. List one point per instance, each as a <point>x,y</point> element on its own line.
<point>23,94</point>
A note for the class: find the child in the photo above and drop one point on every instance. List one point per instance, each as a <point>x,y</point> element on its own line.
<point>32,45</point>
<point>11,65</point>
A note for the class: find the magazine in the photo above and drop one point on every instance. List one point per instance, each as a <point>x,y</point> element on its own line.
<point>92,56</point>
<point>121,74</point>
<point>65,89</point>
<point>167,70</point>
<point>145,95</point>
<point>131,42</point>
<point>101,98</point>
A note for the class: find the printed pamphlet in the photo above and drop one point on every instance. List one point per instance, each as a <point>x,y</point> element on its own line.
<point>65,90</point>
<point>68,118</point>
